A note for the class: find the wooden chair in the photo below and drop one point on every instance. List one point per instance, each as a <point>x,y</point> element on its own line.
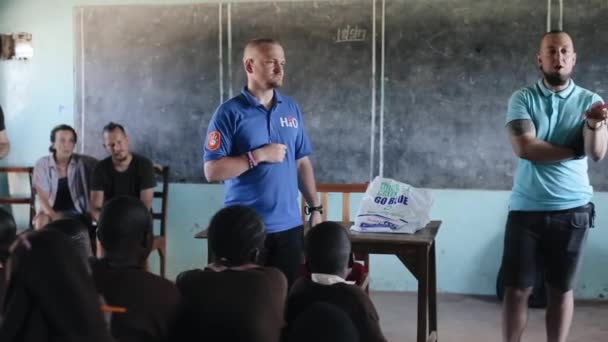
<point>29,200</point>
<point>160,242</point>
<point>346,190</point>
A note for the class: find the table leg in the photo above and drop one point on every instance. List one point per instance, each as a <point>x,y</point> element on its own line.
<point>432,291</point>
<point>423,292</point>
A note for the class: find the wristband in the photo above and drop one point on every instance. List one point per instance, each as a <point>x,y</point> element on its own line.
<point>602,123</point>
<point>309,210</point>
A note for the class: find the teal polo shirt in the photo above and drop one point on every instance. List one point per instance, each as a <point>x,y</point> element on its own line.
<point>558,119</point>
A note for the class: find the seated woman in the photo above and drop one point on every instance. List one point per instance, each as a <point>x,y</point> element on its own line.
<point>50,294</point>
<point>62,179</point>
<point>233,299</point>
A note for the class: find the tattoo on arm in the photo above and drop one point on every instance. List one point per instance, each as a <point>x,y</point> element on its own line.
<point>520,127</point>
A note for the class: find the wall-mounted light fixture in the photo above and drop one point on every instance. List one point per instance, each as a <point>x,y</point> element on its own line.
<point>16,46</point>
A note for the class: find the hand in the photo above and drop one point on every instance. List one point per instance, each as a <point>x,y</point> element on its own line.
<point>597,113</point>
<point>315,218</point>
<point>55,216</point>
<point>271,153</point>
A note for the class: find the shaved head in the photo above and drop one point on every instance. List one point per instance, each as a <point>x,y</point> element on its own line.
<point>549,36</point>
<point>254,46</point>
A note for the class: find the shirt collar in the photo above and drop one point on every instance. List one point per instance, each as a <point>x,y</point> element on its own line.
<point>253,101</point>
<point>53,163</point>
<point>328,279</point>
<point>548,92</point>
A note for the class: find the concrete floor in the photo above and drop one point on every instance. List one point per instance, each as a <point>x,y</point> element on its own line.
<point>472,318</point>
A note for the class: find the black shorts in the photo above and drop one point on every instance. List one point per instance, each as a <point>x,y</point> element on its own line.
<point>551,240</point>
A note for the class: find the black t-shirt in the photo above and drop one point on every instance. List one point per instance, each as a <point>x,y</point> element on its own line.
<point>137,177</point>
<point>2,127</point>
<point>63,201</point>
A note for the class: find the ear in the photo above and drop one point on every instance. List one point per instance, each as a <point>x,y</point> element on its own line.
<point>538,61</point>
<point>248,63</point>
<point>574,59</point>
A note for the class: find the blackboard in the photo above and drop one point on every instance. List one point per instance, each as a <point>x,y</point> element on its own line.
<point>328,47</point>
<point>449,69</point>
<point>158,70</point>
<point>154,69</point>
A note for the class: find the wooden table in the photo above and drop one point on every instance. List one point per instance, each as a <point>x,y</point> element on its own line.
<point>417,253</point>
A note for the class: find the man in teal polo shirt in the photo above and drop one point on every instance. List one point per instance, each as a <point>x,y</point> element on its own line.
<point>257,144</point>
<point>553,126</point>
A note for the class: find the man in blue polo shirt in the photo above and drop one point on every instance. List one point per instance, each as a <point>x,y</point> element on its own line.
<point>553,126</point>
<point>257,144</point>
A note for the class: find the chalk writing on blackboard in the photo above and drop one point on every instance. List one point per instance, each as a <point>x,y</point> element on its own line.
<point>351,34</point>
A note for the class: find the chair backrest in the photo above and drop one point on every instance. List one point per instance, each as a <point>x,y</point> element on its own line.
<point>30,199</point>
<point>160,214</point>
<point>345,190</point>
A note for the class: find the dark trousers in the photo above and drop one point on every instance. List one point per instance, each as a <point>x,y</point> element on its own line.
<point>284,250</point>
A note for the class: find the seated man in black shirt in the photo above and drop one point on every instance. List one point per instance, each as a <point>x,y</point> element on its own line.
<point>4,143</point>
<point>122,173</point>
<point>327,248</point>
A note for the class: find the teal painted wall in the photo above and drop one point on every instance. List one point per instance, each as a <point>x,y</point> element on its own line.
<point>38,94</point>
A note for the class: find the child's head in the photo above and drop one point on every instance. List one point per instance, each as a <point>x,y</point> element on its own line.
<point>328,249</point>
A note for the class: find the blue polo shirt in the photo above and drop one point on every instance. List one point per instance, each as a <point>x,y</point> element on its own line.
<point>243,124</point>
<point>557,117</point>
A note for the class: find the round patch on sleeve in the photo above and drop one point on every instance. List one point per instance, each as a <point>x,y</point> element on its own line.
<point>214,140</point>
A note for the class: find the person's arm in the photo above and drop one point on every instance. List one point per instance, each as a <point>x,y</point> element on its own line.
<point>233,166</point>
<point>96,204</point>
<point>147,175</point>
<point>595,133</point>
<point>225,168</point>
<point>42,185</point>
<point>97,191</point>
<point>5,145</point>
<point>522,134</point>
<point>308,187</point>
<point>147,196</point>
<point>43,196</point>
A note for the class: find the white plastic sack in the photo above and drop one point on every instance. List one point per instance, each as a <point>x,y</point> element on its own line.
<point>389,206</point>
